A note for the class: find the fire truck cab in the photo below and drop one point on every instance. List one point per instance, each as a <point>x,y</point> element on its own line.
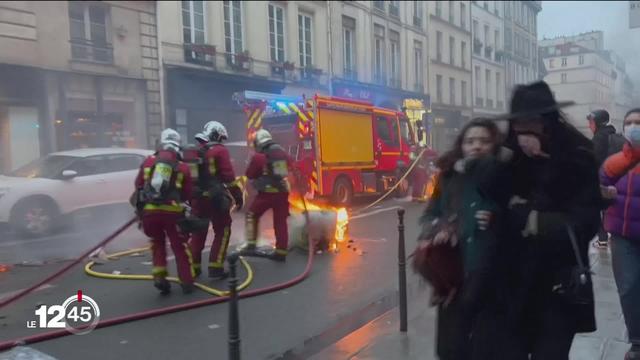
<point>341,147</point>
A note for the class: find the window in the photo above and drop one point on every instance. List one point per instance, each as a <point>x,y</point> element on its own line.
<point>379,5</point>
<point>463,90</point>
<point>498,90</point>
<point>551,64</point>
<point>382,127</point>
<point>394,39</point>
<point>348,34</point>
<point>463,16</point>
<point>463,54</point>
<point>418,66</point>
<point>452,91</point>
<point>276,33</point>
<point>123,162</point>
<point>89,32</point>
<point>417,13</point>
<point>451,12</point>
<point>439,9</point>
<point>452,50</point>
<point>394,8</point>
<point>477,82</point>
<point>581,59</point>
<point>439,88</point>
<point>563,78</point>
<point>92,165</point>
<point>233,28</point>
<point>379,50</point>
<point>487,85</point>
<point>496,38</point>
<point>507,40</point>
<point>304,40</point>
<point>438,45</point>
<point>564,61</point>
<point>507,9</point>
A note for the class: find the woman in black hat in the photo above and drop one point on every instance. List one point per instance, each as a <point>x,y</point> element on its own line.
<point>554,213</point>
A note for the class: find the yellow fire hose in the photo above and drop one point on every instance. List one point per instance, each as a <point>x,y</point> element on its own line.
<point>88,269</point>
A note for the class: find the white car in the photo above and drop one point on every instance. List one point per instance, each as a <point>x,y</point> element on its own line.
<point>34,196</point>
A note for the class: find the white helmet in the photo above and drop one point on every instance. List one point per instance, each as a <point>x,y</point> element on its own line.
<point>170,139</point>
<point>215,131</point>
<point>262,137</point>
<point>201,138</point>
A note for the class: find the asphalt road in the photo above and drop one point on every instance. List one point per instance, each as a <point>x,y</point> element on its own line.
<point>344,291</point>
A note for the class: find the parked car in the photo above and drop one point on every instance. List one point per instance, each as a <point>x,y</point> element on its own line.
<point>36,196</point>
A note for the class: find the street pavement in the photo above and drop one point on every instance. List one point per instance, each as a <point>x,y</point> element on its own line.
<point>381,338</point>
<point>344,291</point>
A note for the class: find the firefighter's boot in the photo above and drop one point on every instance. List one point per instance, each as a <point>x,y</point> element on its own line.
<point>217,273</point>
<point>187,288</point>
<point>163,285</point>
<point>196,270</point>
<point>251,234</point>
<point>278,255</point>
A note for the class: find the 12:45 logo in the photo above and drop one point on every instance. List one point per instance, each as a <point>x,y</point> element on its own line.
<point>79,314</point>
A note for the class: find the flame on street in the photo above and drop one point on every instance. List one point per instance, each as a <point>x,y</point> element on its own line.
<point>342,219</point>
<point>342,216</point>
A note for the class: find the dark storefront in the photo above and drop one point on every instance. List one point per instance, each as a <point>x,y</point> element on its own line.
<point>196,97</point>
<point>445,124</point>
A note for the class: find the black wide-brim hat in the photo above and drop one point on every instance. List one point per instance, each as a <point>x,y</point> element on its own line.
<point>533,99</point>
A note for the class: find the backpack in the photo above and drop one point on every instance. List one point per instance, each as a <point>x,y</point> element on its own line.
<point>158,188</point>
<point>616,143</point>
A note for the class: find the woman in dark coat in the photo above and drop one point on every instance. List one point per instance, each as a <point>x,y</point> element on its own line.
<point>464,212</point>
<point>556,191</point>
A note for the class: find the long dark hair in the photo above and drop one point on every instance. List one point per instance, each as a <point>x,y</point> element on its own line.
<point>448,159</point>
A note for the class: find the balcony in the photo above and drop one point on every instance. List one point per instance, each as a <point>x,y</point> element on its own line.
<point>489,103</point>
<point>239,61</point>
<point>280,69</point>
<point>85,50</point>
<point>395,83</point>
<point>200,54</point>
<point>479,102</point>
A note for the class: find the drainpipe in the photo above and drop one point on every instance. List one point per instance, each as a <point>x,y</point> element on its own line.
<point>330,43</point>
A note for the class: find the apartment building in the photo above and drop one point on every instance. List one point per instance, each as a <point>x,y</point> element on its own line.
<point>520,43</point>
<point>76,74</point>
<point>488,60</point>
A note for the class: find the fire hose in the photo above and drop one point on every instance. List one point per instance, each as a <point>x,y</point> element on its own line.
<point>395,186</point>
<point>143,314</point>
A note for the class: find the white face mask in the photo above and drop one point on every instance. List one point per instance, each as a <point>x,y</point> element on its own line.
<point>632,133</point>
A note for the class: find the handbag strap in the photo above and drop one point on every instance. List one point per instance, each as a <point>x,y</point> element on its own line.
<point>574,244</point>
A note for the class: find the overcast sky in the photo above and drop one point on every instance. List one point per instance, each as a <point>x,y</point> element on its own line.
<point>574,17</point>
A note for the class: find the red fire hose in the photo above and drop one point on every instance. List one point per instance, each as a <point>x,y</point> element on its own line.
<point>6,345</point>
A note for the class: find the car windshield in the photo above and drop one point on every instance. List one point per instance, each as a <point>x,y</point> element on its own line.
<point>47,167</point>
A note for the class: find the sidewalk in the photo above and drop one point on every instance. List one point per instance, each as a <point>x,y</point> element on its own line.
<point>381,338</point>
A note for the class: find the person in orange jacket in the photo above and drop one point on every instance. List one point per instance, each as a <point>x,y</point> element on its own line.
<point>269,169</point>
<point>220,192</point>
<point>164,185</point>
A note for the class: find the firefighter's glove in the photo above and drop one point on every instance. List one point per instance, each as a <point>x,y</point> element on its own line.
<point>238,197</point>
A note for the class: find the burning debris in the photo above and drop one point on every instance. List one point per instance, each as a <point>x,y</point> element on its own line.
<point>327,225</point>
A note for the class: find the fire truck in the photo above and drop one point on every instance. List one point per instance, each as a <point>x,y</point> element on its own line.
<point>342,147</point>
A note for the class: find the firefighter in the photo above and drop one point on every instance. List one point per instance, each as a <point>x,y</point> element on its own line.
<point>219,191</point>
<point>268,170</point>
<point>164,185</point>
<point>421,174</point>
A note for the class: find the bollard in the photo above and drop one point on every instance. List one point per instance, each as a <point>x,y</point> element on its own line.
<point>402,272</point>
<point>234,321</point>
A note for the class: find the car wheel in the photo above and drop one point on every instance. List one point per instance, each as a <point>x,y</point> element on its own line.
<point>35,217</point>
<point>342,192</point>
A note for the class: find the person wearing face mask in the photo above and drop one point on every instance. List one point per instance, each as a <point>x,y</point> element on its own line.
<point>620,177</point>
<point>465,213</point>
<point>554,212</point>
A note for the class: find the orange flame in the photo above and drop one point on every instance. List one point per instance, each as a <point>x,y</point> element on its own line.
<point>342,219</point>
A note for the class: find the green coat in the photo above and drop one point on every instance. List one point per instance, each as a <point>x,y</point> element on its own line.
<point>461,195</point>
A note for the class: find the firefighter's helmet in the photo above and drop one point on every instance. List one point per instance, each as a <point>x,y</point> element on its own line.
<point>170,140</point>
<point>262,138</point>
<point>201,138</point>
<point>215,131</point>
